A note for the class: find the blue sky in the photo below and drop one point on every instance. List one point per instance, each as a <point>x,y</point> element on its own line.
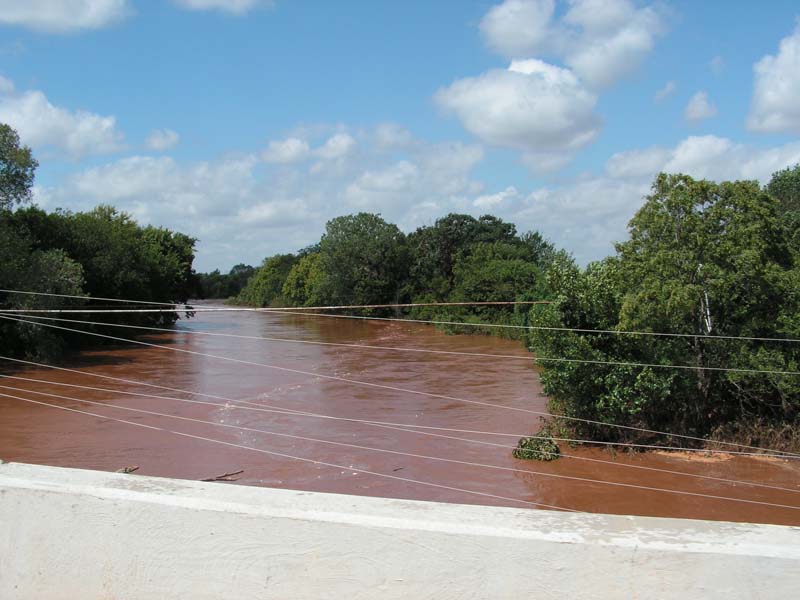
<point>248,124</point>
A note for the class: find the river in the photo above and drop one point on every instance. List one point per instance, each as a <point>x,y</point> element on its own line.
<point>493,388</point>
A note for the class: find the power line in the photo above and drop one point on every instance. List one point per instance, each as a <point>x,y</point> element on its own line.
<point>288,340</point>
<point>289,456</point>
<point>392,388</point>
<point>297,310</point>
<point>399,427</point>
<point>408,426</point>
<point>412,455</point>
<point>548,328</point>
<point>87,297</point>
<point>423,350</point>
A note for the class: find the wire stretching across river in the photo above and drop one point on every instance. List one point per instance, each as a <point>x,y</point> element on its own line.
<point>409,427</point>
<point>412,455</point>
<point>290,456</point>
<point>303,310</point>
<point>396,427</point>
<point>423,350</point>
<point>390,388</point>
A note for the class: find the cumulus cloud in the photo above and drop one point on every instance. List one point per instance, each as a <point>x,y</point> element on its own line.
<point>63,16</point>
<point>390,136</point>
<point>42,125</point>
<point>706,156</point>
<point>286,151</point>
<point>162,139</point>
<point>518,28</point>
<point>532,106</point>
<point>775,107</point>
<point>666,91</point>
<point>234,7</point>
<point>699,108</point>
<point>601,40</point>
<point>494,201</point>
<point>336,146</point>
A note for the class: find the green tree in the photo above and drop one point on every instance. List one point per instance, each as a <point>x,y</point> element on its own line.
<point>304,284</point>
<point>265,286</point>
<point>364,259</point>
<point>17,169</point>
<point>435,249</point>
<point>702,259</point>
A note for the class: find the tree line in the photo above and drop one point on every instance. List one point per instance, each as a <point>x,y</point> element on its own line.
<point>100,253</point>
<point>708,261</point>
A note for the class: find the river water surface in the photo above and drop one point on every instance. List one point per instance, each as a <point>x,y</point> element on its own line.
<point>41,434</point>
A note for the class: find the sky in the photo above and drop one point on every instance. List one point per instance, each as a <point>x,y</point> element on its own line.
<point>250,123</point>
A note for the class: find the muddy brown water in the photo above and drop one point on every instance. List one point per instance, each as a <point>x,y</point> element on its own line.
<point>45,435</point>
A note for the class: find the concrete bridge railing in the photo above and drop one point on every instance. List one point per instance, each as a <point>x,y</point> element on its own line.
<point>67,533</point>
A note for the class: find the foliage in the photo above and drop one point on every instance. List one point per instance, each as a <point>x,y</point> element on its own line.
<point>303,285</point>
<point>17,168</point>
<point>435,250</point>
<point>265,286</point>
<point>364,260</point>
<point>536,448</point>
<point>102,253</point>
<point>217,285</point>
<point>702,259</point>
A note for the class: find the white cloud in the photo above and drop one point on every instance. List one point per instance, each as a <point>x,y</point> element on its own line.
<point>493,201</point>
<point>666,91</point>
<point>63,16</point>
<point>336,146</point>
<point>242,209</point>
<point>614,38</point>
<point>6,85</point>
<point>717,64</point>
<point>234,7</point>
<point>706,156</point>
<point>162,139</point>
<point>699,108</point>
<point>286,151</point>
<point>390,135</point>
<point>518,28</point>
<point>43,125</point>
<point>540,109</point>
<point>601,40</point>
<point>775,106</point>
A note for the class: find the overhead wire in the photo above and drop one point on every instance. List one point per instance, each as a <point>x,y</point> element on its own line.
<point>397,389</point>
<point>293,457</point>
<point>399,427</point>
<point>420,456</point>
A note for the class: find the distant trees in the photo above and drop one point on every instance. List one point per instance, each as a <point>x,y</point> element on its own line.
<point>217,285</point>
<point>702,259</point>
<point>265,286</point>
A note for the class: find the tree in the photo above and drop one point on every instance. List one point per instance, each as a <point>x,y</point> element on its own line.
<point>364,259</point>
<point>784,186</point>
<point>304,284</point>
<point>435,249</point>
<point>17,168</point>
<point>702,259</point>
<point>265,286</point>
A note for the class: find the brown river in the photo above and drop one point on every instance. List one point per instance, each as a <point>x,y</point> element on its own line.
<point>219,434</point>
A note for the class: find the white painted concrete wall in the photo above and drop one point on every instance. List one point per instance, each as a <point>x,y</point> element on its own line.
<point>74,534</point>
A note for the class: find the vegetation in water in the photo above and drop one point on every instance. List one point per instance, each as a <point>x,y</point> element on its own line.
<point>537,448</point>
